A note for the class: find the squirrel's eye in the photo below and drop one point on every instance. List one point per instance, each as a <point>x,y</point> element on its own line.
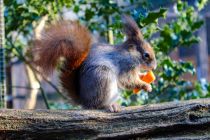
<point>132,45</point>
<point>146,55</point>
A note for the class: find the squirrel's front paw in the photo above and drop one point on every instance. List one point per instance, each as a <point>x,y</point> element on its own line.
<point>114,107</point>
<point>147,87</point>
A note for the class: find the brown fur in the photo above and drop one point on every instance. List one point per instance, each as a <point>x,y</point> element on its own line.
<point>64,39</point>
<point>91,85</point>
<point>70,84</point>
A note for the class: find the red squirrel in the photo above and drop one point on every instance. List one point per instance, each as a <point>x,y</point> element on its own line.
<point>93,74</point>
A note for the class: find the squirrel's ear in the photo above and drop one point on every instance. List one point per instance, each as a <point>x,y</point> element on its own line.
<point>130,27</point>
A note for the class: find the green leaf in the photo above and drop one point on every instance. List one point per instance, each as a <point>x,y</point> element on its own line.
<point>180,6</point>
<point>153,17</point>
<point>201,3</point>
<point>197,25</point>
<point>76,9</point>
<point>89,14</point>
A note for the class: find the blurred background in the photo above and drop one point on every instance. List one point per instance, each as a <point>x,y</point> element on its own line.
<point>179,31</point>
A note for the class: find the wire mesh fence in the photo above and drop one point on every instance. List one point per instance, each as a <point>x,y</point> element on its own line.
<point>2,59</point>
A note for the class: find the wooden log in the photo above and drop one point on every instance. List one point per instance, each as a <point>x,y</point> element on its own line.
<point>175,120</point>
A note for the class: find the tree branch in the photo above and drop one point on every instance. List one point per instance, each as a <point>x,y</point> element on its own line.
<point>183,120</point>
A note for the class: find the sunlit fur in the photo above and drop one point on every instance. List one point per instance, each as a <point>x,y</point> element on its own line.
<point>93,74</point>
<point>66,39</point>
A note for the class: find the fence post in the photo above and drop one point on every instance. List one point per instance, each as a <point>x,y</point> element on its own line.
<point>202,54</point>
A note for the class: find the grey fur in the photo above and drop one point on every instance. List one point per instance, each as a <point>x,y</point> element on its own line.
<point>92,75</point>
<point>110,68</point>
<point>104,65</point>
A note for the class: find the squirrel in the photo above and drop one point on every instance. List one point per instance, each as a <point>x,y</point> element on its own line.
<point>93,74</point>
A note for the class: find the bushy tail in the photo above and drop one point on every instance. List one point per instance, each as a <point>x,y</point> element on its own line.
<point>68,40</point>
<point>64,39</point>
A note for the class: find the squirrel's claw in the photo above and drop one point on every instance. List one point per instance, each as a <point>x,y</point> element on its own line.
<point>114,107</point>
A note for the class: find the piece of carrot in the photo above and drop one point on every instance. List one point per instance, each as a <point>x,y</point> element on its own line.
<point>136,90</point>
<point>148,78</point>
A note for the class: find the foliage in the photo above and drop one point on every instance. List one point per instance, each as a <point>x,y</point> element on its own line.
<point>103,16</point>
<point>179,32</point>
<point>21,17</point>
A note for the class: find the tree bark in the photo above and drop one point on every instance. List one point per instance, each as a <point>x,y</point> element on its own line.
<point>175,120</point>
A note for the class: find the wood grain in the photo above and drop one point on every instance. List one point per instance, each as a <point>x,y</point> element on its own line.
<point>180,120</point>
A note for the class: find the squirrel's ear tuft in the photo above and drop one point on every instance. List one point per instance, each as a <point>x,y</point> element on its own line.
<point>130,27</point>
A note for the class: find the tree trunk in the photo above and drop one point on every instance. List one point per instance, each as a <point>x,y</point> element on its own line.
<point>181,120</point>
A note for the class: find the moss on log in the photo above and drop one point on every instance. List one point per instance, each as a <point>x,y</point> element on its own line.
<point>180,120</point>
